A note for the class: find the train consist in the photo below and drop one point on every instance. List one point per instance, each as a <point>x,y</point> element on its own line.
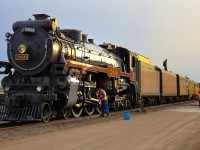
<point>54,72</point>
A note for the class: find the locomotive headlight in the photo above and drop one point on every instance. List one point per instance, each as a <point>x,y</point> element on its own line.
<point>22,48</point>
<point>39,88</point>
<point>6,88</point>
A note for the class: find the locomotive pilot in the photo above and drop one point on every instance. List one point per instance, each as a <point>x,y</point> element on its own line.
<point>104,102</point>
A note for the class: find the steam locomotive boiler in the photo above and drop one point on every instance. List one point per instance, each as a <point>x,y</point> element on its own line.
<point>53,72</point>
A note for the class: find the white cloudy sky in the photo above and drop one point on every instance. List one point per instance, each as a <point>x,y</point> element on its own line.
<point>157,29</point>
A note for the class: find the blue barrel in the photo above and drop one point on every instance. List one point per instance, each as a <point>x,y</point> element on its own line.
<point>127,116</point>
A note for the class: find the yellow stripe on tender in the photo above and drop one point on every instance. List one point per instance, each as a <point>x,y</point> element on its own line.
<point>143,59</point>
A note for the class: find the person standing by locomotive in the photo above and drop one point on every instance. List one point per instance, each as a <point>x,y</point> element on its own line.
<point>199,99</point>
<point>104,102</point>
<point>165,64</point>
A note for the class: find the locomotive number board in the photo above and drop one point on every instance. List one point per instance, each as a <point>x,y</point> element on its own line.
<point>21,57</point>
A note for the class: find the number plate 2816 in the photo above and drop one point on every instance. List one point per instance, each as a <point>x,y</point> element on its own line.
<point>21,57</point>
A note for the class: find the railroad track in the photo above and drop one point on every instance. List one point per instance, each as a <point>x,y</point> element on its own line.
<point>15,130</point>
<point>15,126</point>
<point>54,121</point>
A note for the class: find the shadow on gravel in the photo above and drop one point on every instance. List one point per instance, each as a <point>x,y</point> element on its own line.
<point>6,125</point>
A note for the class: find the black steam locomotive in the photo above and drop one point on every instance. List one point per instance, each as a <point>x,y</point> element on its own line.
<point>57,72</point>
<point>54,72</point>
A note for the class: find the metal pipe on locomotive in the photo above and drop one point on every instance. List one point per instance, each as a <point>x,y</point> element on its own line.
<point>55,72</point>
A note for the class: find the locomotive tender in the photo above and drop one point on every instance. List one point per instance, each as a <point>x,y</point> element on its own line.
<point>54,72</point>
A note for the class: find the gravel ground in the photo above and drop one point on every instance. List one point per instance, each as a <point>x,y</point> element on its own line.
<point>55,125</point>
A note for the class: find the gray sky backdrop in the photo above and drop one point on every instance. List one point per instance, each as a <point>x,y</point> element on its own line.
<point>157,29</point>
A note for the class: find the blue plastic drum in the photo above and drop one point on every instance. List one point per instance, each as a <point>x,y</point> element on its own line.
<point>127,116</point>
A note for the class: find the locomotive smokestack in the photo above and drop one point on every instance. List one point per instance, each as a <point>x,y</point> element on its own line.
<point>41,16</point>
